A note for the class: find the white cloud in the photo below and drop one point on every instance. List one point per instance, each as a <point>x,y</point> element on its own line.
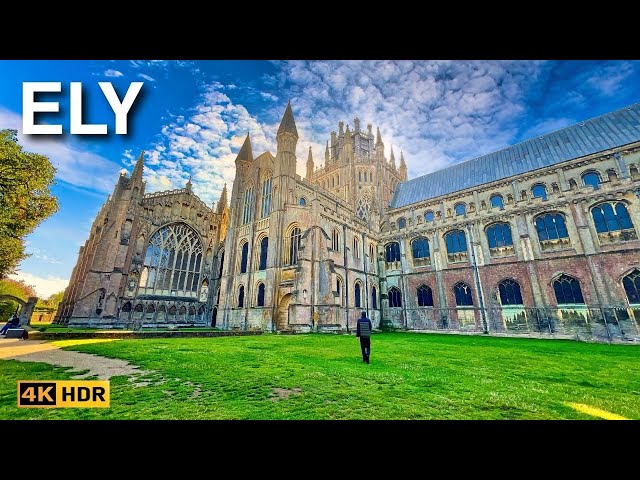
<point>438,112</point>
<point>44,286</point>
<point>610,79</point>
<point>113,73</point>
<point>204,144</point>
<point>146,77</point>
<point>75,166</point>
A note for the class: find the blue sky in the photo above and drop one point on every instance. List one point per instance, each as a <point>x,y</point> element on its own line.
<point>192,116</point>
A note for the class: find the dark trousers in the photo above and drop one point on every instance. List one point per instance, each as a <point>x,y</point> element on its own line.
<point>365,346</point>
<point>7,326</point>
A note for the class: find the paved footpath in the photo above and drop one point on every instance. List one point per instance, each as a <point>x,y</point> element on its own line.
<point>50,352</point>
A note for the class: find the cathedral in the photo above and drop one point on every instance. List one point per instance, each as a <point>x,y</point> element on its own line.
<point>534,236</point>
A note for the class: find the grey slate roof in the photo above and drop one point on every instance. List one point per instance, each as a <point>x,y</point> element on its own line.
<point>611,130</point>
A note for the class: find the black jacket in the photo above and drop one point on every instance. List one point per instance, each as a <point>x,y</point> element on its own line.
<point>364,327</point>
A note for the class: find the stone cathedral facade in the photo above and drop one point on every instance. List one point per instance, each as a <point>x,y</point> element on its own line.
<point>549,224</point>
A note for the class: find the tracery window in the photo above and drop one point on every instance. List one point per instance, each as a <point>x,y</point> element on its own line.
<point>172,264</point>
<point>265,208</point>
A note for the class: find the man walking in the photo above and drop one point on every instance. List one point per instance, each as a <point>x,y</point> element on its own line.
<point>364,332</point>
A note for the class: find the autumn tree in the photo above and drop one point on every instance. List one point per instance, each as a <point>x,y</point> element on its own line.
<point>15,288</point>
<point>25,198</point>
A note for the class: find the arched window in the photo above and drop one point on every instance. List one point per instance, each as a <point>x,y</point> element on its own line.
<point>248,205</point>
<point>425,296</point>
<point>264,248</point>
<point>302,201</point>
<point>335,240</point>
<point>292,246</point>
<point>265,208</point>
<point>460,209</point>
<point>567,290</point>
<point>374,298</point>
<point>420,248</point>
<point>464,298</point>
<point>456,245</point>
<point>539,191</point>
<point>260,302</point>
<point>339,288</point>
<point>359,176</point>
<point>126,307</point>
<point>392,251</point>
<point>631,285</point>
<point>356,294</point>
<point>173,262</point>
<point>499,235</point>
<point>395,297</point>
<point>241,296</point>
<point>496,201</point>
<point>372,253</point>
<point>591,179</point>
<point>333,182</point>
<point>338,180</point>
<point>402,222</point>
<point>510,292</point>
<point>370,177</point>
<point>610,217</point>
<point>428,216</point>
<point>356,247</point>
<point>243,257</point>
<point>551,226</point>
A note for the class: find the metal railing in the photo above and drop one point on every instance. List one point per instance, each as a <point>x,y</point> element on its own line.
<point>572,321</point>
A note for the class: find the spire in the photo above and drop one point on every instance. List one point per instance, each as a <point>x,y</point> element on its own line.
<point>222,203</point>
<point>347,135</point>
<point>245,152</point>
<point>326,152</point>
<point>378,137</point>
<point>139,168</point>
<point>310,165</point>
<point>189,184</point>
<point>288,124</point>
<point>403,167</point>
<point>392,159</point>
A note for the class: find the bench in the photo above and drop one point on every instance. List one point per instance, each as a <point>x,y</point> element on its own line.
<point>17,333</point>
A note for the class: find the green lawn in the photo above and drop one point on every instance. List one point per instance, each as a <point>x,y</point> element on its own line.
<point>411,376</point>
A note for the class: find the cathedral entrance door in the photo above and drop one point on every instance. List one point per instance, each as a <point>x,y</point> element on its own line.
<point>282,321</point>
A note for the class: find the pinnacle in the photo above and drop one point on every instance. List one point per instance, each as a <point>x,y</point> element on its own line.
<point>288,124</point>
<point>245,152</point>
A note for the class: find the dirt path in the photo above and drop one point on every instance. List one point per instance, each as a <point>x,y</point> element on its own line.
<point>51,353</point>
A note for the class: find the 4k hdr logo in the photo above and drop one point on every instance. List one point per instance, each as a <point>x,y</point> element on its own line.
<point>64,394</point>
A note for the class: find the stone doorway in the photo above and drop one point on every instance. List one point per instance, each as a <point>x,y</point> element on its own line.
<point>282,321</point>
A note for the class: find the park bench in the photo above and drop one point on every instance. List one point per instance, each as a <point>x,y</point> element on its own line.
<point>17,333</point>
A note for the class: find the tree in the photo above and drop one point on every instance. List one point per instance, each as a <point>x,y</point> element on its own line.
<point>25,198</point>
<point>15,288</point>
<point>52,302</point>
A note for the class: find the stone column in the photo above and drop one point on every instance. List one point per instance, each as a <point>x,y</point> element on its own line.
<point>27,310</point>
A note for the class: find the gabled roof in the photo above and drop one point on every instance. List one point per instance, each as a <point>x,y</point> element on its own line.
<point>611,130</point>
